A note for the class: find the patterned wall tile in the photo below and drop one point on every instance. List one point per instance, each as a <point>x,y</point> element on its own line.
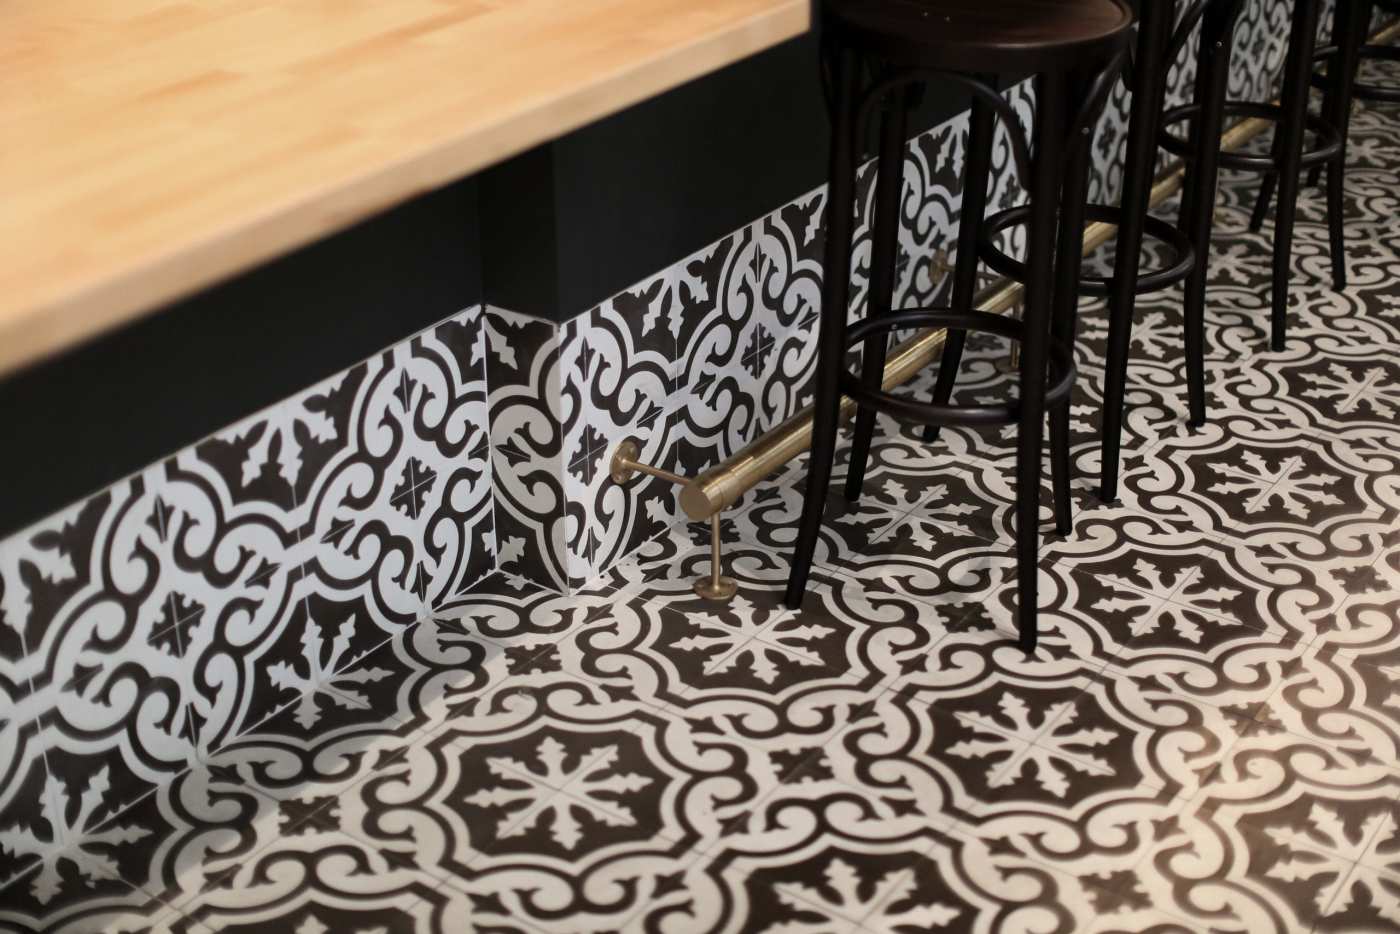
<point>361,506</point>
<point>448,420</point>
<point>624,516</point>
<point>626,373</point>
<point>238,561</point>
<point>400,513</point>
<point>791,245</point>
<point>723,338</point>
<point>27,831</point>
<point>930,203</point>
<point>625,366</point>
<point>147,625</point>
<point>95,593</point>
<point>531,409</point>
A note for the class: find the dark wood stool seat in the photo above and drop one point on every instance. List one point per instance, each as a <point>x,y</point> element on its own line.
<point>984,36</point>
<point>877,54</point>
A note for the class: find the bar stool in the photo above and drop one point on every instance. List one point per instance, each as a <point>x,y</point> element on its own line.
<point>1073,48</point>
<point>1161,38</point>
<point>1342,57</point>
<point>1366,91</point>
<point>1282,168</point>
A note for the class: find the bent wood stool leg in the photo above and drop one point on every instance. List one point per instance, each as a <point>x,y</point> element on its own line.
<point>1296,83</point>
<point>1348,33</point>
<point>1202,176</point>
<point>976,172</point>
<point>1266,189</point>
<point>1069,262</point>
<point>1046,176</point>
<point>840,208</point>
<point>1140,162</point>
<point>884,253</point>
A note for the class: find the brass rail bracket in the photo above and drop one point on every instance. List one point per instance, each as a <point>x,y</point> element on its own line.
<point>716,586</point>
<point>624,460</point>
<point>624,466</point>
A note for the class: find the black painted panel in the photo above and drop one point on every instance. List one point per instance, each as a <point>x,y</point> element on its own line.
<point>519,238</point>
<point>645,188</point>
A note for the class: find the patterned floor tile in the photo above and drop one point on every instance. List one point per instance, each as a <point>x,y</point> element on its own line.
<point>317,881</point>
<point>906,758</point>
<point>1295,582</point>
<point>1274,835</point>
<point>1053,880</point>
<point>1339,701</point>
<point>826,860</point>
<point>847,528</point>
<point>521,898</point>
<point>932,562</point>
<point>1367,900</point>
<point>664,570</point>
<point>554,797</point>
<point>1231,878</point>
<point>162,851</point>
<point>314,748</point>
<point>68,894</point>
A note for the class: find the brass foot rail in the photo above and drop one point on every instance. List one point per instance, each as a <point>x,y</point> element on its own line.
<point>707,496</point>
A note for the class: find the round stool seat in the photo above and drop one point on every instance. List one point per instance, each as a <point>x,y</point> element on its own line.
<point>981,36</point>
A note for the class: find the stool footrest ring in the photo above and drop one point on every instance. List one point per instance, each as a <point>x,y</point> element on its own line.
<point>1365,90</point>
<point>1329,141</point>
<point>1156,280</point>
<point>1061,367</point>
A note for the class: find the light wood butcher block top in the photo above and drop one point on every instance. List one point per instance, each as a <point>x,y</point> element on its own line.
<point>151,147</point>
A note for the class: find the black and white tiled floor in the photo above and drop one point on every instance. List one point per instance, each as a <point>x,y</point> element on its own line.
<point>1208,739</point>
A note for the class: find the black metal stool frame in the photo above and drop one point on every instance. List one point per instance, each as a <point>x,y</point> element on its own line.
<point>1058,175</point>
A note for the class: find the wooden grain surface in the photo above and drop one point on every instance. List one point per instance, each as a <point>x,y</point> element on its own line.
<point>150,147</point>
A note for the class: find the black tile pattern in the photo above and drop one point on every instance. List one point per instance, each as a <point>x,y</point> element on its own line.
<point>1208,738</point>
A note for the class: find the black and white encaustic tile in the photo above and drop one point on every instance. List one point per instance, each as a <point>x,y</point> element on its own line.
<point>1208,739</point>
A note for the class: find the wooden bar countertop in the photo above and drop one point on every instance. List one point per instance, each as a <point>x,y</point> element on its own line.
<point>152,147</point>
